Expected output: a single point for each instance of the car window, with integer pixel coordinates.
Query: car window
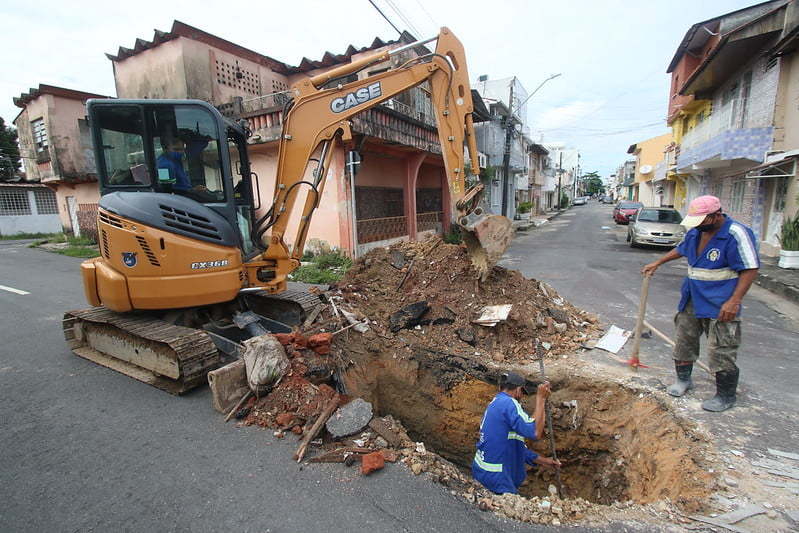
(659, 215)
(630, 205)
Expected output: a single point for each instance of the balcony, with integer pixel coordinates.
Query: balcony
(729, 133)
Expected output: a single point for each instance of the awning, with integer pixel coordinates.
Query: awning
(781, 166)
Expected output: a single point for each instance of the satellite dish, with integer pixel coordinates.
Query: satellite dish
(646, 169)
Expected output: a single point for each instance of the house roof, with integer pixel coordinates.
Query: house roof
(35, 93)
(735, 48)
(181, 29)
(695, 38)
(538, 149)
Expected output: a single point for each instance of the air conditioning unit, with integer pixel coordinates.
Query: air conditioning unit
(482, 160)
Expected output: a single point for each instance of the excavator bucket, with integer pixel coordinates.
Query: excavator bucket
(486, 239)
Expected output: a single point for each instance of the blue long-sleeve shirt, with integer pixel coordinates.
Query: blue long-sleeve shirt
(173, 163)
(499, 463)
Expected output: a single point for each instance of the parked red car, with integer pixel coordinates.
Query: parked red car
(624, 210)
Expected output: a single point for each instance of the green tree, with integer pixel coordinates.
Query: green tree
(592, 183)
(9, 152)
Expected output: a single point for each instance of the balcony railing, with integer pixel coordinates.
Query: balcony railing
(428, 221)
(381, 229)
(732, 116)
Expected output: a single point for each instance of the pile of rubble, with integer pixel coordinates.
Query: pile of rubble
(430, 293)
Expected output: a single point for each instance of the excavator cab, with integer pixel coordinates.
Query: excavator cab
(182, 148)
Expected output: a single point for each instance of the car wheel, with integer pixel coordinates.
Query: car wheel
(633, 244)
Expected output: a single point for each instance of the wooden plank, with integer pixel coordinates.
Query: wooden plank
(787, 455)
(123, 367)
(742, 513)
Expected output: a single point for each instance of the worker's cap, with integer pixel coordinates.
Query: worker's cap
(699, 208)
(513, 380)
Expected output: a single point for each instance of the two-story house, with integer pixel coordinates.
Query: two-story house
(538, 163)
(648, 187)
(55, 142)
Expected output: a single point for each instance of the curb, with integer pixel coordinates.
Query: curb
(780, 288)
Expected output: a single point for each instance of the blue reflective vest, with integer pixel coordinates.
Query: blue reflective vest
(713, 274)
(499, 463)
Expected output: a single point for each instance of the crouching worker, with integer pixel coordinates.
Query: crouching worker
(501, 458)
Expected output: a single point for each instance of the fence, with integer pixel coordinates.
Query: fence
(380, 229)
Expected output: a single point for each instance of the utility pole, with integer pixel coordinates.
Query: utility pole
(506, 154)
(560, 176)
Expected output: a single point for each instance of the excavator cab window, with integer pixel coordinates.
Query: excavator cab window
(186, 147)
(242, 189)
(121, 140)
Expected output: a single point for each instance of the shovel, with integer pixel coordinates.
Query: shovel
(634, 361)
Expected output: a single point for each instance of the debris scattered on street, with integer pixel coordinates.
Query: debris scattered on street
(613, 340)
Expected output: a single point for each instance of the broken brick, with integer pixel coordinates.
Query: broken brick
(284, 419)
(320, 339)
(300, 341)
(371, 462)
(284, 338)
(297, 430)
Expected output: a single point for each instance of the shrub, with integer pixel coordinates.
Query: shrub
(454, 236)
(524, 207)
(789, 235)
(564, 201)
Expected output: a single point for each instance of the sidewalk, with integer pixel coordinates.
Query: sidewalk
(782, 281)
(536, 220)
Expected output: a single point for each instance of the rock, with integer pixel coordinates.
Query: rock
(553, 491)
(371, 462)
(466, 335)
(297, 430)
(443, 316)
(550, 325)
(408, 317)
(397, 259)
(560, 327)
(350, 418)
(771, 513)
(546, 345)
(730, 482)
(498, 356)
(560, 315)
(416, 468)
(389, 455)
(545, 505)
(380, 442)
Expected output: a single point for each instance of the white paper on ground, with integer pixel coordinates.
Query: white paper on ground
(613, 340)
(493, 314)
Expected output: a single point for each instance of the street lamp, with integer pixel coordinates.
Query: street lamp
(509, 138)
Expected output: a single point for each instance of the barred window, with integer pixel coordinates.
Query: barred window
(14, 203)
(45, 202)
(39, 135)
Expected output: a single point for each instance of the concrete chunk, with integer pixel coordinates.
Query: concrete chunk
(350, 418)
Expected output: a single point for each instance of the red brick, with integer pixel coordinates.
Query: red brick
(371, 462)
(297, 430)
(285, 338)
(300, 341)
(320, 339)
(322, 350)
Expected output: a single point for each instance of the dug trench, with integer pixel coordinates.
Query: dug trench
(616, 444)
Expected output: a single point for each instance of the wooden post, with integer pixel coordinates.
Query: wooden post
(639, 324)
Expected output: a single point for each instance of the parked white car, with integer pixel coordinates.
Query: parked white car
(656, 226)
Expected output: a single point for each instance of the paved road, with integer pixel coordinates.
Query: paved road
(585, 256)
(87, 449)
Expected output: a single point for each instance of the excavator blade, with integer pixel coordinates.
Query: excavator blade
(486, 240)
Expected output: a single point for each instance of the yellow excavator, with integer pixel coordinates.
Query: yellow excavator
(187, 270)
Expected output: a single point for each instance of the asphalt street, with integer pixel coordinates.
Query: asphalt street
(584, 255)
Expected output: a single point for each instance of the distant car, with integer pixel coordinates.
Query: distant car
(657, 226)
(624, 210)
(607, 199)
(580, 200)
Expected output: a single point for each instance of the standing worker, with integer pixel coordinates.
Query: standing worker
(499, 463)
(722, 264)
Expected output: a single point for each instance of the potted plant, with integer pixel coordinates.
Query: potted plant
(789, 240)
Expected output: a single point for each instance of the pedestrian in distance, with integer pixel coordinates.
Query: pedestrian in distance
(723, 262)
(502, 457)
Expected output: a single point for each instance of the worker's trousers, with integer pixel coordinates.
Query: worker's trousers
(723, 339)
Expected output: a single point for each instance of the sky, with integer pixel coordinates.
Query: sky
(611, 55)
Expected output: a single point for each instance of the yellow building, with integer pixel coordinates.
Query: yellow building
(689, 116)
(648, 155)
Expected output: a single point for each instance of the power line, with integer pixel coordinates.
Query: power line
(402, 16)
(385, 17)
(436, 25)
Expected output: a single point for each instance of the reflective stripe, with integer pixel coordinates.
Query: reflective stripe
(746, 248)
(514, 435)
(711, 274)
(524, 416)
(488, 467)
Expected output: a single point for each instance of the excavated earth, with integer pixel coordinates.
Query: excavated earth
(623, 451)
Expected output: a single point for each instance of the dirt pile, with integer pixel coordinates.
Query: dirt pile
(429, 292)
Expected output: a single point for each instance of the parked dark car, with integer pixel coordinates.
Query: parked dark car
(624, 210)
(657, 226)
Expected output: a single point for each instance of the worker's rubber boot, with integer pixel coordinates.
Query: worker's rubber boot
(726, 385)
(683, 383)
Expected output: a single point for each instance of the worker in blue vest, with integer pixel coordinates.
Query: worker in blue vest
(500, 463)
(723, 261)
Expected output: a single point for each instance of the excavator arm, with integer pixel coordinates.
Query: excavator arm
(319, 119)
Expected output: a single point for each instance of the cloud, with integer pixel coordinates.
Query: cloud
(565, 115)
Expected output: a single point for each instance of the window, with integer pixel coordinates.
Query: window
(39, 135)
(14, 203)
(717, 189)
(186, 148)
(665, 216)
(45, 202)
(121, 137)
(737, 196)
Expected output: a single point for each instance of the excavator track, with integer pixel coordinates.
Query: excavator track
(172, 358)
